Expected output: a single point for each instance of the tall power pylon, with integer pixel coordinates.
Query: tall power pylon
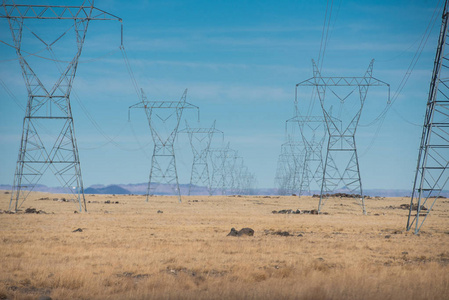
(164, 118)
(341, 167)
(223, 161)
(313, 134)
(200, 141)
(290, 167)
(244, 180)
(284, 171)
(49, 104)
(432, 171)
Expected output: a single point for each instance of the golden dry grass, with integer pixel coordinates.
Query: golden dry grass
(129, 251)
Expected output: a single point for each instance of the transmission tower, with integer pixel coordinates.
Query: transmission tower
(298, 153)
(283, 171)
(223, 161)
(313, 134)
(240, 173)
(49, 104)
(290, 167)
(432, 171)
(200, 141)
(341, 164)
(164, 118)
(244, 180)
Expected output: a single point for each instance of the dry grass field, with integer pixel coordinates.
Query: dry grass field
(127, 250)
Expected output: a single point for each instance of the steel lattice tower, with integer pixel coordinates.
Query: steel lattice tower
(222, 161)
(49, 104)
(432, 171)
(164, 118)
(298, 154)
(290, 167)
(313, 135)
(341, 137)
(280, 179)
(200, 141)
(284, 170)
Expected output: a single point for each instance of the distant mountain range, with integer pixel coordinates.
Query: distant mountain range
(165, 189)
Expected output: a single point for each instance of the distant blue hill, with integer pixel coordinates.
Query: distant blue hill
(165, 189)
(110, 189)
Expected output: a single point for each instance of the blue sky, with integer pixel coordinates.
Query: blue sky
(240, 61)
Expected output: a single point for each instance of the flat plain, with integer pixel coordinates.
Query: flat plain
(126, 248)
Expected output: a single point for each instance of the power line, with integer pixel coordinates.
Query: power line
(410, 68)
(381, 117)
(10, 93)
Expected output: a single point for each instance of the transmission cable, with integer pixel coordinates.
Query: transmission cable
(89, 116)
(13, 97)
(410, 68)
(381, 117)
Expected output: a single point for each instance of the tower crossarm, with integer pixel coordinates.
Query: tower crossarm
(55, 12)
(200, 130)
(306, 119)
(311, 119)
(342, 81)
(163, 104)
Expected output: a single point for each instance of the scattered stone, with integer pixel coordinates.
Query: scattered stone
(407, 206)
(388, 236)
(340, 195)
(287, 211)
(160, 212)
(44, 198)
(108, 202)
(34, 211)
(60, 199)
(298, 212)
(78, 230)
(246, 231)
(282, 233)
(243, 231)
(233, 232)
(30, 211)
